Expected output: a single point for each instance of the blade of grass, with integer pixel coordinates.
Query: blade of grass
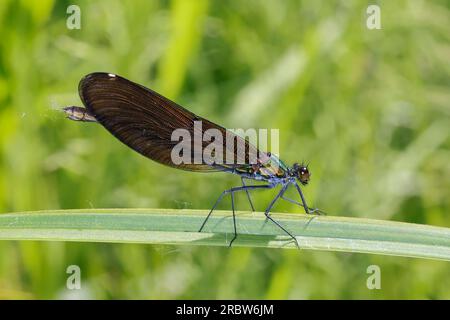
(166, 226)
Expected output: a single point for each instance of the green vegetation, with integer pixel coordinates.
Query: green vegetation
(159, 226)
(367, 108)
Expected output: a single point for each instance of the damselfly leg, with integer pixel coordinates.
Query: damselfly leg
(303, 204)
(234, 219)
(232, 191)
(248, 194)
(310, 210)
(267, 213)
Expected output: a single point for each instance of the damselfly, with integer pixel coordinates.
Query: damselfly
(145, 121)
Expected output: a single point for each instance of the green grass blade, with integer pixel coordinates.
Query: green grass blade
(165, 226)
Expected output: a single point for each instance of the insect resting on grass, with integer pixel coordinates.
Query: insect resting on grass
(145, 121)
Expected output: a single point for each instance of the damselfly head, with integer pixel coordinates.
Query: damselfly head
(301, 172)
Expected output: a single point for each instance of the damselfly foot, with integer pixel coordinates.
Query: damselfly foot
(316, 212)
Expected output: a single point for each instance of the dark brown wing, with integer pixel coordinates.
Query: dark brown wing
(145, 120)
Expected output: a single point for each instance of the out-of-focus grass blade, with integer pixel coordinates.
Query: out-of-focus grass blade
(165, 226)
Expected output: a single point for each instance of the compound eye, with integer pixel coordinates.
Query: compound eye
(303, 175)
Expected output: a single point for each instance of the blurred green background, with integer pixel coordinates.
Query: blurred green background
(369, 109)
